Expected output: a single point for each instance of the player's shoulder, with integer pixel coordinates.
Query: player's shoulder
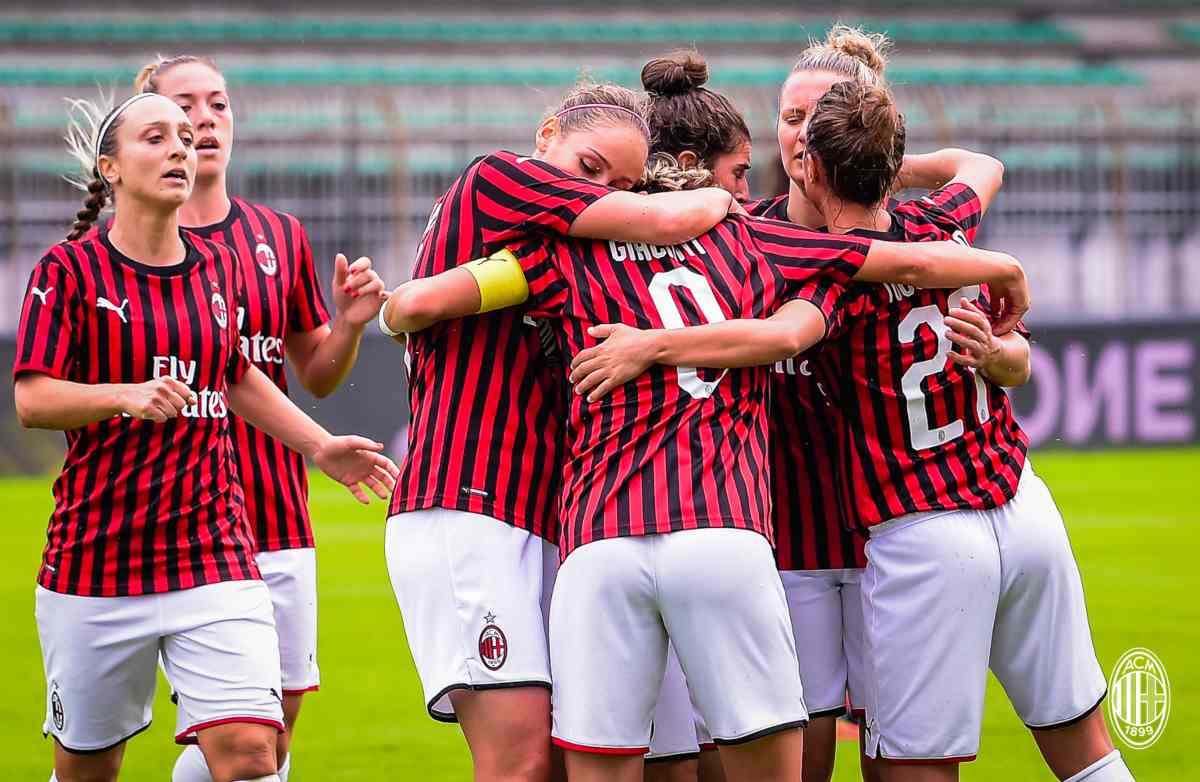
(774, 207)
(946, 204)
(247, 209)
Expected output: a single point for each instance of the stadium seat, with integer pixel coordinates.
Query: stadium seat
(302, 30)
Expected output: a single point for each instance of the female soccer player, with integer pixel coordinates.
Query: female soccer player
(128, 343)
(473, 511)
(698, 128)
(969, 563)
(283, 314)
(643, 283)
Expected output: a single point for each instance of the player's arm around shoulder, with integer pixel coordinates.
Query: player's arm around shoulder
(482, 285)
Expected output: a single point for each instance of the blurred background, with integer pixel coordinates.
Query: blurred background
(356, 120)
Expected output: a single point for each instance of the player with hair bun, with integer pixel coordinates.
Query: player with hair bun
(128, 344)
(473, 522)
(283, 316)
(969, 565)
(698, 127)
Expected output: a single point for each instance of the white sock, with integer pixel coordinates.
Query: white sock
(1110, 768)
(190, 766)
(53, 778)
(286, 768)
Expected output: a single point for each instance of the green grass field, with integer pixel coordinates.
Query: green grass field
(1134, 519)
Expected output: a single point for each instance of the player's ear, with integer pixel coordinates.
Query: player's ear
(110, 172)
(688, 159)
(546, 133)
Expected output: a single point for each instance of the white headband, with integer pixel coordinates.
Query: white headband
(113, 118)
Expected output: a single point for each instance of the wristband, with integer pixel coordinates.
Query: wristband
(383, 326)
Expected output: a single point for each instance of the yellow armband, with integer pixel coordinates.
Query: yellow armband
(501, 280)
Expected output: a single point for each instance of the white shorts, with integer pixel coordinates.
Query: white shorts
(471, 590)
(218, 647)
(826, 611)
(291, 577)
(947, 594)
(715, 594)
(678, 731)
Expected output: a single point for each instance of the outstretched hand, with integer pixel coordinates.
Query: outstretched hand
(353, 461)
(623, 354)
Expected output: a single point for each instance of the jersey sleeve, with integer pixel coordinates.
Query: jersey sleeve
(516, 195)
(799, 255)
(548, 287)
(306, 305)
(50, 319)
(830, 297)
(955, 207)
(238, 364)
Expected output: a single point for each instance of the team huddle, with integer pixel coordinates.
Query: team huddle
(689, 476)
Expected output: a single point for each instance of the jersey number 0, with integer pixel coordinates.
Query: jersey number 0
(660, 291)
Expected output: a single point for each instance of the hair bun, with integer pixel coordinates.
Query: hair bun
(867, 48)
(675, 73)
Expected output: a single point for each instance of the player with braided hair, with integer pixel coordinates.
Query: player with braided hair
(128, 344)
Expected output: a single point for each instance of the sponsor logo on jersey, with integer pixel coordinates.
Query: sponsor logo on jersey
(104, 304)
(1139, 698)
(258, 347)
(493, 646)
(220, 309)
(266, 259)
(42, 294)
(208, 404)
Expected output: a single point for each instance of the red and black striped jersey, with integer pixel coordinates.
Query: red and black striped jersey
(141, 507)
(486, 428)
(282, 296)
(810, 531)
(774, 208)
(676, 448)
(918, 432)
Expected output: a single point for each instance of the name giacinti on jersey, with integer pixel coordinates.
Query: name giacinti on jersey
(208, 404)
(640, 251)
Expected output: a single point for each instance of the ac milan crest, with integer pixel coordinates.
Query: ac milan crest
(266, 259)
(56, 711)
(220, 310)
(493, 646)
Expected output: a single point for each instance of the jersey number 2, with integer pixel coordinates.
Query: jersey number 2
(922, 435)
(660, 291)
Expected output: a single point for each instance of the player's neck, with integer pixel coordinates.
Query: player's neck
(842, 217)
(800, 210)
(208, 204)
(149, 237)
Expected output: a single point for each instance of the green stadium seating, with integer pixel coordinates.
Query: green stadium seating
(299, 30)
(1186, 32)
(466, 75)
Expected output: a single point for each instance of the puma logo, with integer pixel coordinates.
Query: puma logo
(42, 294)
(104, 304)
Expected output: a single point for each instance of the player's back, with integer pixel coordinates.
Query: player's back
(676, 448)
(918, 432)
(485, 430)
